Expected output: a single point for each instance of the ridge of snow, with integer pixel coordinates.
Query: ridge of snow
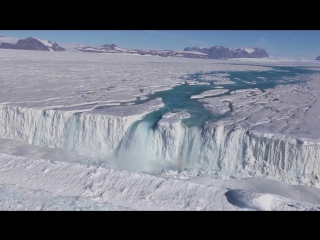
(193, 52)
(249, 50)
(45, 42)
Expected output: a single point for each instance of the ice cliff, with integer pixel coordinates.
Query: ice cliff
(220, 149)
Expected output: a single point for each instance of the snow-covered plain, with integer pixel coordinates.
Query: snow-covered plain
(81, 131)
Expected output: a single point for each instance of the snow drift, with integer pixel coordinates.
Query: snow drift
(37, 184)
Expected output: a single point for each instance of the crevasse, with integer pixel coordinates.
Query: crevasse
(223, 151)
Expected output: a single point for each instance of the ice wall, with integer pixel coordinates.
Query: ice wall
(92, 133)
(220, 149)
(234, 152)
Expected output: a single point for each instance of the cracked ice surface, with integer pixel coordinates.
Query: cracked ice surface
(290, 110)
(67, 78)
(69, 100)
(218, 78)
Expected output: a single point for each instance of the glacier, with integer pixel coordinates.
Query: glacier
(155, 145)
(185, 119)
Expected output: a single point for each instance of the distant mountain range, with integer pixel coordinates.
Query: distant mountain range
(113, 48)
(318, 58)
(219, 52)
(216, 52)
(29, 43)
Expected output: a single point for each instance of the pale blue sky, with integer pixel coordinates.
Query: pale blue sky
(278, 43)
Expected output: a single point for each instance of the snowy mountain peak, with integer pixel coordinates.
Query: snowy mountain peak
(248, 50)
(30, 43)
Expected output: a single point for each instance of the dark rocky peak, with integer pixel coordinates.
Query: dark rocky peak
(189, 49)
(32, 43)
(110, 46)
(318, 58)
